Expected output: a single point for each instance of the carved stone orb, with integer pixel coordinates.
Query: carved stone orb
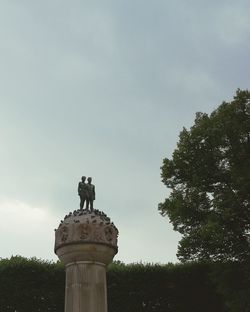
(86, 236)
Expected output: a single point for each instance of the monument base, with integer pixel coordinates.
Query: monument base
(86, 242)
(85, 287)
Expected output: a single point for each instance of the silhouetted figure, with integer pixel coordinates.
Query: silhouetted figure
(90, 194)
(82, 192)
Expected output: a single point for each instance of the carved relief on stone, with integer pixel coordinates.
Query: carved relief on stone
(64, 233)
(109, 233)
(84, 231)
(98, 235)
(85, 226)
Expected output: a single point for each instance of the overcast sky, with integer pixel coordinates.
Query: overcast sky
(103, 89)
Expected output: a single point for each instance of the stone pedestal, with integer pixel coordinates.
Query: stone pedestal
(86, 287)
(86, 243)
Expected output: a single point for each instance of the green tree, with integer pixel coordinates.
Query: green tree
(209, 175)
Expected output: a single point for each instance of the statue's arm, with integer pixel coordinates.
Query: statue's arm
(94, 191)
(79, 188)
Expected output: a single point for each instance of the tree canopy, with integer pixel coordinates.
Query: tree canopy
(209, 178)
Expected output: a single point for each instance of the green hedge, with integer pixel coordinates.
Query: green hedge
(169, 288)
(32, 285)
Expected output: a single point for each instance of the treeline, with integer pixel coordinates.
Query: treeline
(32, 285)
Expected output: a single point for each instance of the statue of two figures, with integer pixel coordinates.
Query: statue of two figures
(86, 191)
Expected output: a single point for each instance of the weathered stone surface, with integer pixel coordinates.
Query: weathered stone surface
(85, 287)
(83, 226)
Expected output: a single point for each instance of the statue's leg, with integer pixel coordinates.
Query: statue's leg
(87, 204)
(81, 202)
(91, 205)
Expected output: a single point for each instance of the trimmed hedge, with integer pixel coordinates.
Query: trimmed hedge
(32, 285)
(168, 288)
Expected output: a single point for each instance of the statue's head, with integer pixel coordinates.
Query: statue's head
(83, 179)
(89, 179)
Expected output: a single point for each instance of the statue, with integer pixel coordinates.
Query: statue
(82, 192)
(86, 191)
(90, 194)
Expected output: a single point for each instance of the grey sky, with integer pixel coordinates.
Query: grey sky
(103, 88)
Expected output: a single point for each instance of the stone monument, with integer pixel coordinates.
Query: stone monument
(86, 242)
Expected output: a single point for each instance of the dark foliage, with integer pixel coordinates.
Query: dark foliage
(209, 175)
(232, 281)
(31, 285)
(168, 288)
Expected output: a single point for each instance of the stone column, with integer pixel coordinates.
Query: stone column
(86, 243)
